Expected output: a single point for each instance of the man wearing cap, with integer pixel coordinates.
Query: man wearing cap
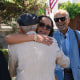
(32, 60)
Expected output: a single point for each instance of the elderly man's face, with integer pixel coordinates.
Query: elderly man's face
(61, 20)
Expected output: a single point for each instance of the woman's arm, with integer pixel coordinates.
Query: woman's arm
(19, 38)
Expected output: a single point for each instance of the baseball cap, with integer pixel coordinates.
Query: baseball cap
(27, 19)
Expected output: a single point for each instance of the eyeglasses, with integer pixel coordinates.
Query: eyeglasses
(61, 18)
(42, 25)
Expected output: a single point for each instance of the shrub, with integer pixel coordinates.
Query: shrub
(72, 8)
(9, 10)
(5, 52)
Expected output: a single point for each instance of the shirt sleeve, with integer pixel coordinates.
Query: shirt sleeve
(61, 59)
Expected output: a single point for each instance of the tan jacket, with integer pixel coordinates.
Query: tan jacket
(35, 61)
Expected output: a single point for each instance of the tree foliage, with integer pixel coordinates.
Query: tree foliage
(13, 8)
(42, 10)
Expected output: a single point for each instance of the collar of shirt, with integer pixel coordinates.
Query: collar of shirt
(62, 35)
(31, 32)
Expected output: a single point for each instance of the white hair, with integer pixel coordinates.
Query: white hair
(62, 10)
(29, 28)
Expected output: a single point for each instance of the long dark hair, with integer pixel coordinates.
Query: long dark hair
(52, 30)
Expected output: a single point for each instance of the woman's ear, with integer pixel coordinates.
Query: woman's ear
(37, 28)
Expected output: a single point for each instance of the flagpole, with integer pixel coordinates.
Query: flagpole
(51, 7)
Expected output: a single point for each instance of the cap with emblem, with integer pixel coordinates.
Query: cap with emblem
(27, 19)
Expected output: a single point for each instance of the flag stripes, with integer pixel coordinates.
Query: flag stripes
(50, 6)
(52, 3)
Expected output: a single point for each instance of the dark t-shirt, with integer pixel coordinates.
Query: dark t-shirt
(4, 73)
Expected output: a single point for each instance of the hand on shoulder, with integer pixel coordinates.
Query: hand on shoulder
(44, 39)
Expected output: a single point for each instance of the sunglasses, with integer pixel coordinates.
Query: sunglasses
(42, 25)
(61, 18)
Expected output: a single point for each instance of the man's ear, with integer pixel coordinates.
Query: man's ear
(21, 29)
(37, 28)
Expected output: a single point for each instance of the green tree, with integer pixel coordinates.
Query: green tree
(13, 8)
(72, 8)
(42, 10)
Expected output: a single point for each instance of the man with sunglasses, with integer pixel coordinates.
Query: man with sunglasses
(67, 42)
(33, 60)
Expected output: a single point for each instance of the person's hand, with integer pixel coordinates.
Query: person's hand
(44, 39)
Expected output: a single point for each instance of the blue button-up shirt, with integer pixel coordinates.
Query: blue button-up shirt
(64, 43)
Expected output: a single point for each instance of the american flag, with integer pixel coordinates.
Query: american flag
(50, 5)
